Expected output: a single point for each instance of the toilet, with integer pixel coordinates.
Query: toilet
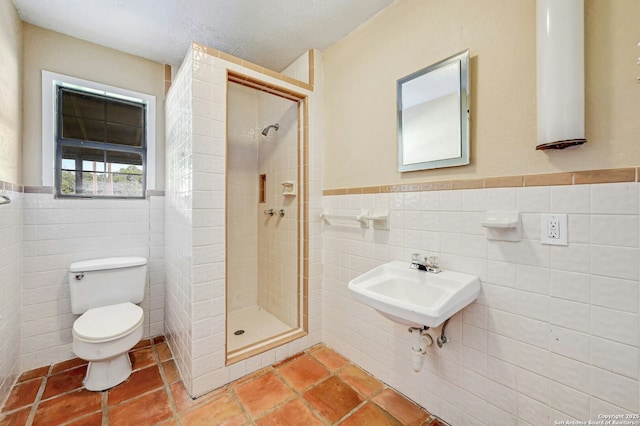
(105, 292)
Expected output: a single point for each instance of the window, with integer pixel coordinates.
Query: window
(100, 145)
(99, 139)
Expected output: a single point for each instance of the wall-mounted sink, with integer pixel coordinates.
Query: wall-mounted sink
(412, 297)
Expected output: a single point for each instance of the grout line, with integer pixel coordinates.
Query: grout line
(230, 390)
(165, 383)
(105, 408)
(36, 401)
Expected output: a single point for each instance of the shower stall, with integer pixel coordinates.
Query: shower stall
(263, 208)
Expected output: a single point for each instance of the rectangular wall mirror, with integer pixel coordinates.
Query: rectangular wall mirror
(433, 115)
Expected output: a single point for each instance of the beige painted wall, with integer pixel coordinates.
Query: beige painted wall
(10, 94)
(361, 71)
(55, 52)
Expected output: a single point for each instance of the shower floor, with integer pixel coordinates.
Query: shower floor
(257, 324)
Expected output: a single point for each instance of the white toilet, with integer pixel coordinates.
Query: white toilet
(105, 291)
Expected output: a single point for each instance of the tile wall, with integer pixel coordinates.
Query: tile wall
(58, 232)
(278, 250)
(242, 199)
(554, 333)
(178, 218)
(10, 272)
(262, 249)
(195, 226)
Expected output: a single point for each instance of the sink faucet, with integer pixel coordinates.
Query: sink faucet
(428, 264)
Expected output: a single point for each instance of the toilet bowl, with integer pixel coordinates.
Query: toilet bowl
(103, 336)
(105, 293)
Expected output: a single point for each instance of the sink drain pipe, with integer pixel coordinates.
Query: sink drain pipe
(421, 341)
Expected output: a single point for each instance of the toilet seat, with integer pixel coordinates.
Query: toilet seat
(108, 323)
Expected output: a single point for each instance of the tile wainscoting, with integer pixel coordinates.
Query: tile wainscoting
(58, 232)
(554, 333)
(10, 281)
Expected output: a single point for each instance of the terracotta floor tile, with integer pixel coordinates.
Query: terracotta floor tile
(34, 374)
(181, 398)
(94, 419)
(171, 372)
(294, 411)
(265, 397)
(401, 408)
(139, 382)
(330, 358)
(333, 398)
(183, 401)
(67, 407)
(17, 418)
(370, 414)
(288, 360)
(66, 365)
(142, 344)
(360, 380)
(303, 372)
(262, 393)
(142, 358)
(22, 394)
(144, 410)
(219, 411)
(64, 381)
(163, 351)
(249, 377)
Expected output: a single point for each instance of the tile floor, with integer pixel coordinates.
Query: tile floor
(315, 387)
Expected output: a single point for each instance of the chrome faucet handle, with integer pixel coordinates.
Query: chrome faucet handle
(416, 263)
(432, 261)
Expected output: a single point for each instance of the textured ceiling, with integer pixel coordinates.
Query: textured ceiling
(271, 33)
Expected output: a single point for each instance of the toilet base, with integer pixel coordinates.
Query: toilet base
(102, 375)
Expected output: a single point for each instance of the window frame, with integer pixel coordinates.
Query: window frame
(50, 119)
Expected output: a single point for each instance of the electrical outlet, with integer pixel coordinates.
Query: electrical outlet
(554, 230)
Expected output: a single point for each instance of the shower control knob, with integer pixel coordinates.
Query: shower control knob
(269, 212)
(281, 212)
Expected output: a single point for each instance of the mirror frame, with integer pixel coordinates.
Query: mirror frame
(463, 59)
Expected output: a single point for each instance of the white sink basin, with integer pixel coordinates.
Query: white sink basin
(412, 297)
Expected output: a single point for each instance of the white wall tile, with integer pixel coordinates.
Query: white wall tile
(569, 343)
(568, 401)
(615, 325)
(545, 311)
(616, 357)
(618, 198)
(614, 293)
(615, 389)
(571, 315)
(570, 199)
(570, 285)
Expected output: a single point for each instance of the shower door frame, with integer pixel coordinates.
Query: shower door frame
(302, 226)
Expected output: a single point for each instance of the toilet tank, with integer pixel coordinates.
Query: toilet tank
(103, 282)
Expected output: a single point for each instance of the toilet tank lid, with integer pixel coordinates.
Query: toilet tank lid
(107, 263)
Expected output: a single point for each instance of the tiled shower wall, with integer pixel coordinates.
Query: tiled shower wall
(195, 227)
(58, 232)
(262, 249)
(242, 199)
(554, 333)
(10, 271)
(279, 157)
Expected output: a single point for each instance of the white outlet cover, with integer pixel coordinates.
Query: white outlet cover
(563, 230)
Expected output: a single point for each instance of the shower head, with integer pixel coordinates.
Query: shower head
(265, 131)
